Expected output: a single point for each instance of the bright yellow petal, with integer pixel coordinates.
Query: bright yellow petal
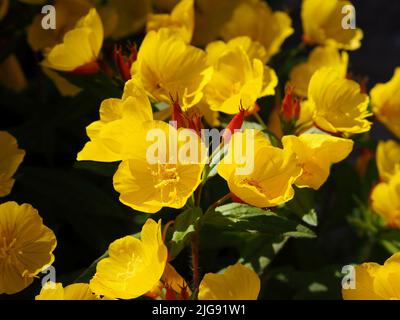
(236, 283)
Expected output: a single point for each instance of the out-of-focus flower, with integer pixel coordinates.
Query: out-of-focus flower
(385, 100)
(210, 17)
(11, 74)
(68, 14)
(56, 291)
(316, 153)
(337, 104)
(385, 200)
(169, 179)
(122, 18)
(376, 282)
(168, 67)
(10, 159)
(26, 246)
(134, 266)
(236, 283)
(290, 109)
(320, 57)
(239, 79)
(322, 24)
(274, 171)
(256, 20)
(4, 4)
(388, 159)
(80, 48)
(181, 20)
(109, 141)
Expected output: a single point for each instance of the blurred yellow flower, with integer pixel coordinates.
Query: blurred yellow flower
(337, 103)
(316, 153)
(80, 47)
(134, 266)
(26, 246)
(168, 68)
(319, 57)
(150, 181)
(12, 75)
(210, 17)
(255, 19)
(385, 200)
(10, 159)
(112, 137)
(236, 283)
(322, 24)
(385, 100)
(239, 77)
(4, 4)
(68, 14)
(76, 291)
(376, 282)
(275, 170)
(388, 159)
(181, 20)
(122, 18)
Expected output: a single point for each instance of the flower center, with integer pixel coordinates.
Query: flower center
(6, 247)
(165, 174)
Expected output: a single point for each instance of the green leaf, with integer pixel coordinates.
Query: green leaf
(241, 217)
(258, 251)
(185, 225)
(390, 240)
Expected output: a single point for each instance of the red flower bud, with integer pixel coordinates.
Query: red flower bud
(290, 106)
(124, 63)
(169, 293)
(235, 124)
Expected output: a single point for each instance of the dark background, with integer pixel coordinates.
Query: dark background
(82, 208)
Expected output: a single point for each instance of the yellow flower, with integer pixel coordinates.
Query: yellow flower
(68, 14)
(388, 159)
(80, 47)
(134, 266)
(385, 100)
(167, 180)
(322, 24)
(256, 20)
(337, 103)
(328, 56)
(386, 200)
(4, 4)
(168, 68)
(316, 153)
(112, 137)
(236, 283)
(26, 246)
(55, 291)
(122, 18)
(181, 20)
(210, 17)
(273, 173)
(376, 282)
(10, 159)
(240, 77)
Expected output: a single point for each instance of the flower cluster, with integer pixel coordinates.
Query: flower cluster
(206, 70)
